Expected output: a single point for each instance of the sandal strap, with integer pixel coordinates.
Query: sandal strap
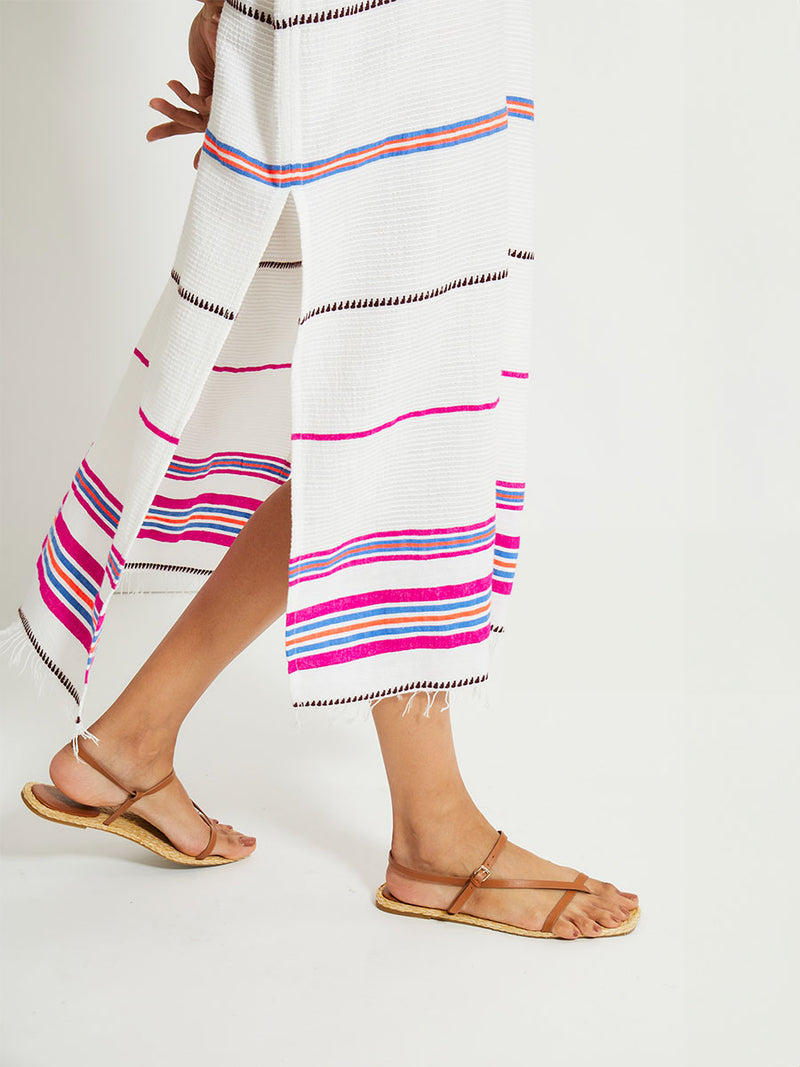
(480, 879)
(479, 875)
(549, 922)
(212, 837)
(133, 794)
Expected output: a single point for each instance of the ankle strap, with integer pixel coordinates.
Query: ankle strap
(133, 794)
(475, 880)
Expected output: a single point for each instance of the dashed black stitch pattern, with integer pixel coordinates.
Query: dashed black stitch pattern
(391, 692)
(278, 264)
(218, 309)
(165, 567)
(70, 688)
(498, 629)
(519, 254)
(305, 19)
(406, 298)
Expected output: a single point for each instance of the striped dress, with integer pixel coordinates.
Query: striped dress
(350, 305)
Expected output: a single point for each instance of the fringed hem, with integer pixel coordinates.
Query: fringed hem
(26, 657)
(459, 696)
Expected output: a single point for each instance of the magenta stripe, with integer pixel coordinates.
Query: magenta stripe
(77, 552)
(63, 613)
(326, 572)
(504, 541)
(159, 433)
(501, 587)
(393, 533)
(141, 357)
(264, 476)
(90, 511)
(248, 502)
(512, 485)
(514, 374)
(247, 370)
(109, 495)
(212, 537)
(378, 648)
(386, 425)
(228, 455)
(117, 555)
(511, 507)
(389, 596)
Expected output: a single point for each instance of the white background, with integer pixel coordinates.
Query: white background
(645, 702)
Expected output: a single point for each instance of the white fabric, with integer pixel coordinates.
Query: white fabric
(351, 305)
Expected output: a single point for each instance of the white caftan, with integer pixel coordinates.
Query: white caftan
(351, 306)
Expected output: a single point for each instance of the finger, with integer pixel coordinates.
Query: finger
(166, 129)
(205, 83)
(194, 100)
(190, 119)
(197, 157)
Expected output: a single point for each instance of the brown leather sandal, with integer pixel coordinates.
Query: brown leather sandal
(51, 803)
(481, 879)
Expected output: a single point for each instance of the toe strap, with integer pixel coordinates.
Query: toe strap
(212, 836)
(578, 887)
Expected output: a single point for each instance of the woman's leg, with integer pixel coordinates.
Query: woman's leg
(438, 827)
(245, 594)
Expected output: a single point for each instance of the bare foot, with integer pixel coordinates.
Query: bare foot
(170, 809)
(587, 914)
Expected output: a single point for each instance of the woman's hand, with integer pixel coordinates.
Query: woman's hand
(203, 55)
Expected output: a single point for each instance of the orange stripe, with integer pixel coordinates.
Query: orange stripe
(102, 507)
(184, 520)
(409, 142)
(395, 546)
(377, 621)
(77, 589)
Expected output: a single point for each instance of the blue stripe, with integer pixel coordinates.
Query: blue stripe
(64, 593)
(303, 180)
(66, 561)
(84, 484)
(228, 464)
(370, 547)
(171, 528)
(219, 510)
(380, 609)
(364, 635)
(364, 147)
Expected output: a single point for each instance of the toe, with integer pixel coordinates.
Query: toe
(232, 845)
(566, 928)
(610, 919)
(604, 915)
(588, 927)
(563, 928)
(229, 843)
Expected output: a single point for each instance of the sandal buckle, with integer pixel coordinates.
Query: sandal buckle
(477, 872)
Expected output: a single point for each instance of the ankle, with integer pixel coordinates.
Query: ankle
(137, 746)
(450, 836)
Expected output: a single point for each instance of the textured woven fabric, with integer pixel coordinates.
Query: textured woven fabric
(351, 305)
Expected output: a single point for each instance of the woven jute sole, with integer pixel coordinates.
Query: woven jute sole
(386, 902)
(128, 825)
